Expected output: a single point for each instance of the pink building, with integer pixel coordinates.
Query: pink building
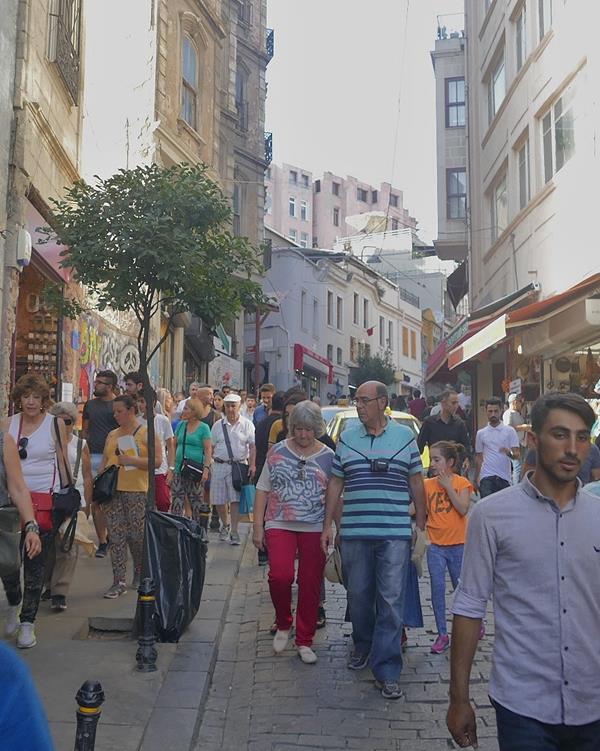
(289, 202)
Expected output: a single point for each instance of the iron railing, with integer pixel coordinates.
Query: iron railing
(270, 43)
(268, 148)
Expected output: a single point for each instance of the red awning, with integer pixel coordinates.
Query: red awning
(301, 353)
(538, 310)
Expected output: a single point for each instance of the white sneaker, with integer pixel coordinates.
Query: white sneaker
(26, 636)
(307, 655)
(234, 539)
(224, 533)
(11, 624)
(280, 641)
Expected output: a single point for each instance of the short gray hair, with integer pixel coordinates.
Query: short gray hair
(306, 414)
(65, 408)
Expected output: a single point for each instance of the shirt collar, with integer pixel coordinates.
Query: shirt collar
(533, 492)
(365, 432)
(439, 418)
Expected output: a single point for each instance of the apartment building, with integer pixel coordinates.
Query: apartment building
(289, 202)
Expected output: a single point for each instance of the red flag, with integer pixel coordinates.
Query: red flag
(370, 331)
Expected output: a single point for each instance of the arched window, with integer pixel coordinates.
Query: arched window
(189, 83)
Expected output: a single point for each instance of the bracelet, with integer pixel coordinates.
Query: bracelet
(171, 469)
(33, 527)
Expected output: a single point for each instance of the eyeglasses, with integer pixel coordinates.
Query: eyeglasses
(103, 383)
(23, 447)
(367, 399)
(301, 470)
(67, 420)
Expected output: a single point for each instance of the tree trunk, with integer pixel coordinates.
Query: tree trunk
(143, 341)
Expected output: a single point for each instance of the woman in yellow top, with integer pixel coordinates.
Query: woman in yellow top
(448, 498)
(127, 446)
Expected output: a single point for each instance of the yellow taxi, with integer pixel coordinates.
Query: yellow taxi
(348, 418)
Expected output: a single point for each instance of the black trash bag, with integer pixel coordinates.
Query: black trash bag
(175, 558)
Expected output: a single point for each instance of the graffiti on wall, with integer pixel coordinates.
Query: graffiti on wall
(102, 347)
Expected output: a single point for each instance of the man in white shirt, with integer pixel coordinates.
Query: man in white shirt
(495, 446)
(164, 474)
(513, 417)
(240, 432)
(193, 393)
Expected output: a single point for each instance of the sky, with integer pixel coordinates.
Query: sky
(346, 77)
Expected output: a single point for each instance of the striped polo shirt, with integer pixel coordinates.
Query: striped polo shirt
(376, 503)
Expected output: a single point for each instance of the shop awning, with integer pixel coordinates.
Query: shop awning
(493, 333)
(303, 355)
(538, 311)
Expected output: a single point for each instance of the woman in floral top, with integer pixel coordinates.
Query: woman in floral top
(290, 503)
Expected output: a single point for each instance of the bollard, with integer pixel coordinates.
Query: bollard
(146, 654)
(204, 519)
(89, 698)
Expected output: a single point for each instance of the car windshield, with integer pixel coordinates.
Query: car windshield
(351, 422)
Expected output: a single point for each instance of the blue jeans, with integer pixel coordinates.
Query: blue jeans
(489, 485)
(375, 573)
(440, 557)
(519, 733)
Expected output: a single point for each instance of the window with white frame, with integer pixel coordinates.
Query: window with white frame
(189, 83)
(335, 188)
(330, 352)
(456, 193)
(293, 235)
(455, 102)
(381, 331)
(305, 180)
(292, 206)
(355, 306)
(303, 310)
(499, 208)
(365, 313)
(362, 194)
(339, 313)
(496, 86)
(293, 176)
(524, 184)
(558, 133)
(329, 308)
(394, 200)
(336, 217)
(339, 356)
(521, 37)
(315, 318)
(304, 239)
(304, 211)
(544, 17)
(390, 341)
(413, 344)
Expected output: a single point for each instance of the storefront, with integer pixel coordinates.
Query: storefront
(314, 373)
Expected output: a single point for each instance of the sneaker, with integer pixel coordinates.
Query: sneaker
(136, 581)
(102, 550)
(234, 539)
(280, 641)
(11, 625)
(389, 689)
(26, 636)
(481, 631)
(224, 533)
(357, 661)
(59, 603)
(117, 589)
(46, 595)
(321, 618)
(441, 644)
(307, 655)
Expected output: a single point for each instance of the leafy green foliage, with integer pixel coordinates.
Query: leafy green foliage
(374, 368)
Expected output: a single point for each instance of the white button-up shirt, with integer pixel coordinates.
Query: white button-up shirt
(241, 437)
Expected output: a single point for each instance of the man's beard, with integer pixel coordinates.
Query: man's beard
(551, 472)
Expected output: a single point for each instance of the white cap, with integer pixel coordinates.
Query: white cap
(512, 397)
(232, 399)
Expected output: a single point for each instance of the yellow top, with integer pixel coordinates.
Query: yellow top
(132, 479)
(274, 431)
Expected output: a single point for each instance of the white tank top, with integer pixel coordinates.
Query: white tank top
(39, 468)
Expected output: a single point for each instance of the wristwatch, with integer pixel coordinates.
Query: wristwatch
(172, 469)
(32, 526)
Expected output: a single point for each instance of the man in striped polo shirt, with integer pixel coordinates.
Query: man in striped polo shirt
(378, 468)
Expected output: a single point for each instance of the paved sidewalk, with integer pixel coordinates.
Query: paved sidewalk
(147, 712)
(262, 702)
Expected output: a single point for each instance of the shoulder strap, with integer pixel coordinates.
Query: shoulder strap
(78, 459)
(184, 437)
(360, 453)
(60, 454)
(226, 437)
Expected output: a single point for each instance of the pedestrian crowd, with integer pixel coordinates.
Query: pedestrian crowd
(371, 508)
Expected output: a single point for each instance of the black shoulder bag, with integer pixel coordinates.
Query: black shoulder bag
(190, 469)
(239, 470)
(66, 501)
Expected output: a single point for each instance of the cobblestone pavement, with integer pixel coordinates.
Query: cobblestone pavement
(260, 701)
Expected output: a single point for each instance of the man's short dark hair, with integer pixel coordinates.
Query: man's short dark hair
(278, 401)
(153, 395)
(109, 375)
(267, 388)
(134, 377)
(446, 394)
(417, 394)
(493, 401)
(554, 400)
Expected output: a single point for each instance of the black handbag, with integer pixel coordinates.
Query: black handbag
(239, 470)
(190, 468)
(105, 485)
(10, 533)
(67, 500)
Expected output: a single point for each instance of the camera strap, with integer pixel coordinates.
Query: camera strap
(360, 453)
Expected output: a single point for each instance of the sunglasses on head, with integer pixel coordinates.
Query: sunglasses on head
(23, 447)
(67, 420)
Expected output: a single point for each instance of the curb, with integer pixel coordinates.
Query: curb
(177, 714)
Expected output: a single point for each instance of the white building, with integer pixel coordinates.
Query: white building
(332, 307)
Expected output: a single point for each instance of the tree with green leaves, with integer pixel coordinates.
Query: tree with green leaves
(152, 240)
(375, 368)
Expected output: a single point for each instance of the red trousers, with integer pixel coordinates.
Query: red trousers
(162, 493)
(282, 545)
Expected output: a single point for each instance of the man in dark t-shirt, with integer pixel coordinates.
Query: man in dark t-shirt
(98, 421)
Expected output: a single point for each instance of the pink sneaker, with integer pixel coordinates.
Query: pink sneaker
(481, 631)
(441, 644)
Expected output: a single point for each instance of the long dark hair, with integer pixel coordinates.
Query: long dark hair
(450, 450)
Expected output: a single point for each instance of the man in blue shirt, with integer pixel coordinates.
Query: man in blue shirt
(378, 468)
(23, 724)
(266, 399)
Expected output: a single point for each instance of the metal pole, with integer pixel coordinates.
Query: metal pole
(146, 654)
(89, 698)
(257, 355)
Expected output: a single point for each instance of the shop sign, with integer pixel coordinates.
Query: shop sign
(592, 311)
(225, 371)
(458, 333)
(514, 387)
